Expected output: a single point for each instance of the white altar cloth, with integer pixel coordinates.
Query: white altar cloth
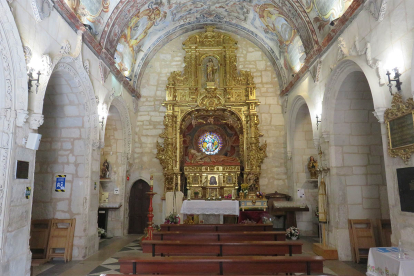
(385, 261)
(223, 207)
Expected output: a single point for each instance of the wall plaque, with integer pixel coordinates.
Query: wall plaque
(401, 131)
(405, 178)
(400, 127)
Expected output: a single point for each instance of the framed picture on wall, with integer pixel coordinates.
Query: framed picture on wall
(405, 178)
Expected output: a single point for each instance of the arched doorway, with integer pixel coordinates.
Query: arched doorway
(358, 186)
(138, 207)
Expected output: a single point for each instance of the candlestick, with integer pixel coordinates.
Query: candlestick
(179, 183)
(150, 215)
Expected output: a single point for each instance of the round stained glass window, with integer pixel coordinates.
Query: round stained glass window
(210, 143)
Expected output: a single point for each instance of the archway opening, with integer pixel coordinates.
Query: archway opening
(357, 164)
(59, 179)
(138, 207)
(305, 184)
(112, 185)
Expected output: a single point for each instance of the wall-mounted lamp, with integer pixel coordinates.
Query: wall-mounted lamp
(31, 79)
(396, 78)
(318, 122)
(103, 114)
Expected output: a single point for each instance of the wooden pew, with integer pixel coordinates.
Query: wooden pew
(220, 248)
(220, 236)
(240, 265)
(216, 227)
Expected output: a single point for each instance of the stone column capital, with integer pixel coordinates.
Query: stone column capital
(379, 114)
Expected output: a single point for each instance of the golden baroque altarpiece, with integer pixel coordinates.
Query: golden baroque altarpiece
(211, 96)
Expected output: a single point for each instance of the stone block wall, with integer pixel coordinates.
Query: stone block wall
(114, 153)
(150, 116)
(303, 148)
(357, 156)
(62, 151)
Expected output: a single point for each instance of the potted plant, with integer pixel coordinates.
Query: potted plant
(292, 233)
(196, 194)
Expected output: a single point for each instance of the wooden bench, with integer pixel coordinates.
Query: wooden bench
(220, 236)
(216, 227)
(228, 248)
(240, 265)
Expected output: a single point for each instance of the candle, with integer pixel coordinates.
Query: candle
(152, 180)
(179, 183)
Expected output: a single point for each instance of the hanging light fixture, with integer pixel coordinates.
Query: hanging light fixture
(396, 78)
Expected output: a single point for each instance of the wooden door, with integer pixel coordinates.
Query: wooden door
(138, 207)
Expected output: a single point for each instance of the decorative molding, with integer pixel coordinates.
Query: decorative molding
(379, 114)
(47, 64)
(36, 120)
(343, 51)
(86, 66)
(65, 49)
(103, 71)
(373, 63)
(285, 103)
(376, 8)
(315, 71)
(27, 54)
(21, 117)
(41, 9)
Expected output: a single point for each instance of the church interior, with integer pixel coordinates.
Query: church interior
(184, 137)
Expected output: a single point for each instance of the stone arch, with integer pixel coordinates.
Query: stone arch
(122, 108)
(13, 114)
(300, 147)
(70, 71)
(297, 103)
(353, 150)
(335, 79)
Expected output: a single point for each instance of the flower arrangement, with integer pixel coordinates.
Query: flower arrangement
(173, 218)
(244, 188)
(227, 196)
(259, 194)
(156, 227)
(292, 233)
(101, 233)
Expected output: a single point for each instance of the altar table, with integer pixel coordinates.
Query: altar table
(385, 261)
(204, 207)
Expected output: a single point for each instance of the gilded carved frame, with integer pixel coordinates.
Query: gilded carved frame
(398, 109)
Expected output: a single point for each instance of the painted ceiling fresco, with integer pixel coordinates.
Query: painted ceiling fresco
(287, 29)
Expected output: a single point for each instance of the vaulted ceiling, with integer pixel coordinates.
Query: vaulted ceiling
(291, 32)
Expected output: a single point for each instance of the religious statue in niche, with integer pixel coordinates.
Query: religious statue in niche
(105, 169)
(312, 168)
(252, 181)
(211, 70)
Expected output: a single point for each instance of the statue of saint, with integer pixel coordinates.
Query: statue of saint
(252, 181)
(211, 70)
(312, 166)
(105, 169)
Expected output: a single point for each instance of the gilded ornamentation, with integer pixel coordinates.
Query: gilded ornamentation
(398, 109)
(211, 91)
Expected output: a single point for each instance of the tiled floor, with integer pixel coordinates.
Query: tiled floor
(106, 260)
